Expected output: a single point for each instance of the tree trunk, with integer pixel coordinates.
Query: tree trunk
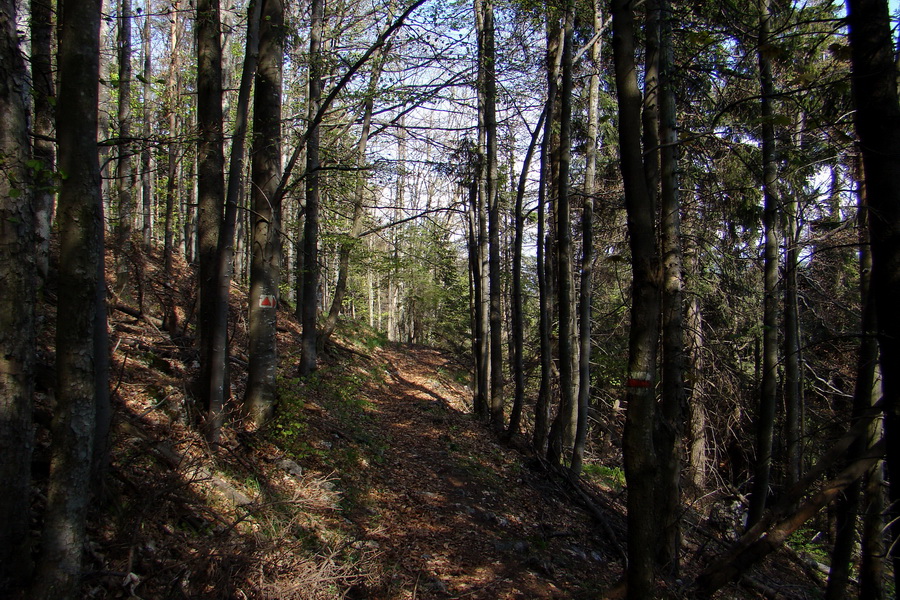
(491, 202)
(17, 301)
(348, 243)
(210, 178)
(44, 95)
(146, 155)
(877, 116)
(173, 85)
(125, 177)
(765, 424)
(670, 424)
(516, 300)
(265, 268)
(218, 384)
(865, 390)
(638, 444)
(587, 251)
(542, 406)
(81, 252)
(309, 302)
(562, 435)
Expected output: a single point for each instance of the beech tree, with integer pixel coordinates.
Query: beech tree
(265, 268)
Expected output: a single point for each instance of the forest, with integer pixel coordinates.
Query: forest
(628, 267)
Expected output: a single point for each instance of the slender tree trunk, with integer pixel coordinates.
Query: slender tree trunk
(670, 424)
(309, 301)
(173, 81)
(542, 406)
(347, 244)
(219, 385)
(562, 429)
(210, 178)
(17, 319)
(146, 156)
(793, 360)
(765, 424)
(81, 238)
(638, 444)
(516, 300)
(491, 201)
(125, 177)
(44, 95)
(587, 251)
(265, 269)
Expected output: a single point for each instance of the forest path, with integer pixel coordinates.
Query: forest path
(454, 513)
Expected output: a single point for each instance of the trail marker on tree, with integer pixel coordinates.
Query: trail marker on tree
(267, 301)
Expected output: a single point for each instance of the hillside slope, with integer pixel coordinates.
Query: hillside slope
(374, 481)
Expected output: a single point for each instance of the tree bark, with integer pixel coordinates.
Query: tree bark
(516, 300)
(670, 424)
(81, 252)
(542, 405)
(210, 179)
(265, 268)
(44, 95)
(17, 300)
(638, 444)
(309, 303)
(146, 155)
(587, 251)
(219, 385)
(765, 424)
(125, 176)
(877, 117)
(562, 434)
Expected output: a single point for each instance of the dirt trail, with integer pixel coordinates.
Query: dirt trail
(454, 513)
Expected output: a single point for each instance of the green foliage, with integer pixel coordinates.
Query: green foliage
(611, 477)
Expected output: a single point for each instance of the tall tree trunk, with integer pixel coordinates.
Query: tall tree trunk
(44, 95)
(173, 84)
(146, 155)
(516, 300)
(81, 252)
(562, 434)
(210, 178)
(265, 269)
(765, 424)
(17, 300)
(638, 444)
(670, 424)
(491, 201)
(219, 384)
(542, 406)
(865, 390)
(309, 301)
(125, 178)
(587, 250)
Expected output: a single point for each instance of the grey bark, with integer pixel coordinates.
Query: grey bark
(638, 443)
(219, 384)
(17, 321)
(81, 252)
(210, 175)
(125, 176)
(265, 267)
(309, 302)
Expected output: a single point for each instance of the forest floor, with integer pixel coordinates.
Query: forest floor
(373, 482)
